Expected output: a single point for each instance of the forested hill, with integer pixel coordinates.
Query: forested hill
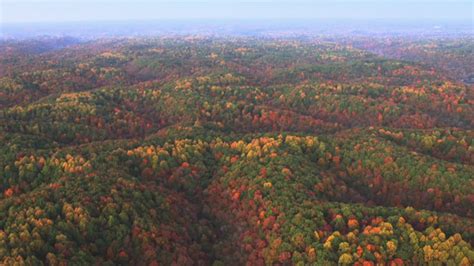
(204, 151)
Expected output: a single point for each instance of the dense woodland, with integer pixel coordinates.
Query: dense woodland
(205, 151)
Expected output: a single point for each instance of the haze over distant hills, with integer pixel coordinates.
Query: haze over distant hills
(264, 28)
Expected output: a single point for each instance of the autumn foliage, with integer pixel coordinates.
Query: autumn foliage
(184, 151)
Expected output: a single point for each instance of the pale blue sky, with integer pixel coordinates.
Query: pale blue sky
(13, 11)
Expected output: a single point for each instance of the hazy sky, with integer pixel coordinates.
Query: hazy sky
(94, 10)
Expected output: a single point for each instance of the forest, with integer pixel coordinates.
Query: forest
(199, 150)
